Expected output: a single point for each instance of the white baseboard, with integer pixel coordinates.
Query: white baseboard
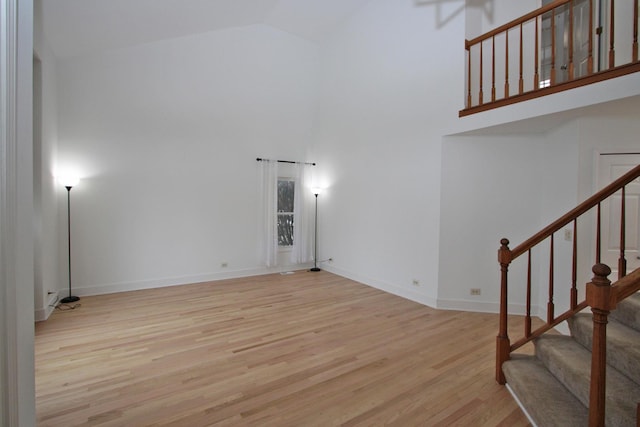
(444, 304)
(44, 313)
(383, 286)
(483, 306)
(111, 288)
(521, 405)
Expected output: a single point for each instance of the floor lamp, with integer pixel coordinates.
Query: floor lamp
(69, 183)
(316, 191)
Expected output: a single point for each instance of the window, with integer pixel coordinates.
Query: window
(285, 220)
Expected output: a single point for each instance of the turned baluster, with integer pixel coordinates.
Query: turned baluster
(635, 32)
(506, 64)
(552, 77)
(571, 32)
(503, 345)
(574, 266)
(590, 59)
(536, 78)
(550, 304)
(612, 32)
(468, 75)
(622, 261)
(493, 69)
(598, 233)
(481, 93)
(527, 317)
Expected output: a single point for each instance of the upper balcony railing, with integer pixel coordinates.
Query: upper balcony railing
(562, 45)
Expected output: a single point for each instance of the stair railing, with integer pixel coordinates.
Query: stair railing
(601, 296)
(519, 61)
(506, 256)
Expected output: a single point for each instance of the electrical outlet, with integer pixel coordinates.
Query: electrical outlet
(475, 291)
(415, 282)
(53, 297)
(568, 234)
(224, 264)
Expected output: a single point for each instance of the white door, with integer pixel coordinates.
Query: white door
(562, 29)
(611, 167)
(581, 38)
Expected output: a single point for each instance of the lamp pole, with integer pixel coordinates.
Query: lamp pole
(69, 298)
(316, 191)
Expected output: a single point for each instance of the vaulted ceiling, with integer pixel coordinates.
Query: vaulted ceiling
(77, 27)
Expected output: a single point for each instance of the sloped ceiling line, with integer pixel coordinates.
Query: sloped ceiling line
(79, 27)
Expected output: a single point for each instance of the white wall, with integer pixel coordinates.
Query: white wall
(518, 166)
(46, 264)
(610, 128)
(489, 186)
(493, 187)
(166, 134)
(390, 85)
(518, 178)
(165, 137)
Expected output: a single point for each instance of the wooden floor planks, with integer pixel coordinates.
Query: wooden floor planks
(307, 349)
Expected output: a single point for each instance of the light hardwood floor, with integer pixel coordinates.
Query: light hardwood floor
(307, 349)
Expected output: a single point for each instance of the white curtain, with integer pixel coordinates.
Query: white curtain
(269, 203)
(302, 239)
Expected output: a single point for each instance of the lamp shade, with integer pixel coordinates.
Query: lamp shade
(68, 180)
(316, 190)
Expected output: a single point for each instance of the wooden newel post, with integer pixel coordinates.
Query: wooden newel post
(599, 298)
(503, 345)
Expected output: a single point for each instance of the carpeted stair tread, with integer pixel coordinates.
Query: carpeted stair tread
(547, 401)
(628, 312)
(570, 363)
(623, 343)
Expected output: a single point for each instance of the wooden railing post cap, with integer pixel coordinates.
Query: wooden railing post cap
(504, 253)
(599, 291)
(601, 272)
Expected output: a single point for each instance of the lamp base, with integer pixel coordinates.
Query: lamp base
(67, 300)
(314, 269)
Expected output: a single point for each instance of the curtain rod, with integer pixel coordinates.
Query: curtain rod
(285, 161)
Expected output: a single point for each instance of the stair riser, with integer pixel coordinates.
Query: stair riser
(628, 312)
(554, 385)
(622, 353)
(570, 363)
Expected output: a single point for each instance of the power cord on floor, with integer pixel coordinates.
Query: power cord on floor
(67, 307)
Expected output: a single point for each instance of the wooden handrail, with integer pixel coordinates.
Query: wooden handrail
(627, 286)
(521, 20)
(581, 209)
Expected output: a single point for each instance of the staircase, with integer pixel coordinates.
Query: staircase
(593, 376)
(553, 386)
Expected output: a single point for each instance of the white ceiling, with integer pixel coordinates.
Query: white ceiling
(78, 27)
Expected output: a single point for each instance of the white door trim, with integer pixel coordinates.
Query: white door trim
(17, 389)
